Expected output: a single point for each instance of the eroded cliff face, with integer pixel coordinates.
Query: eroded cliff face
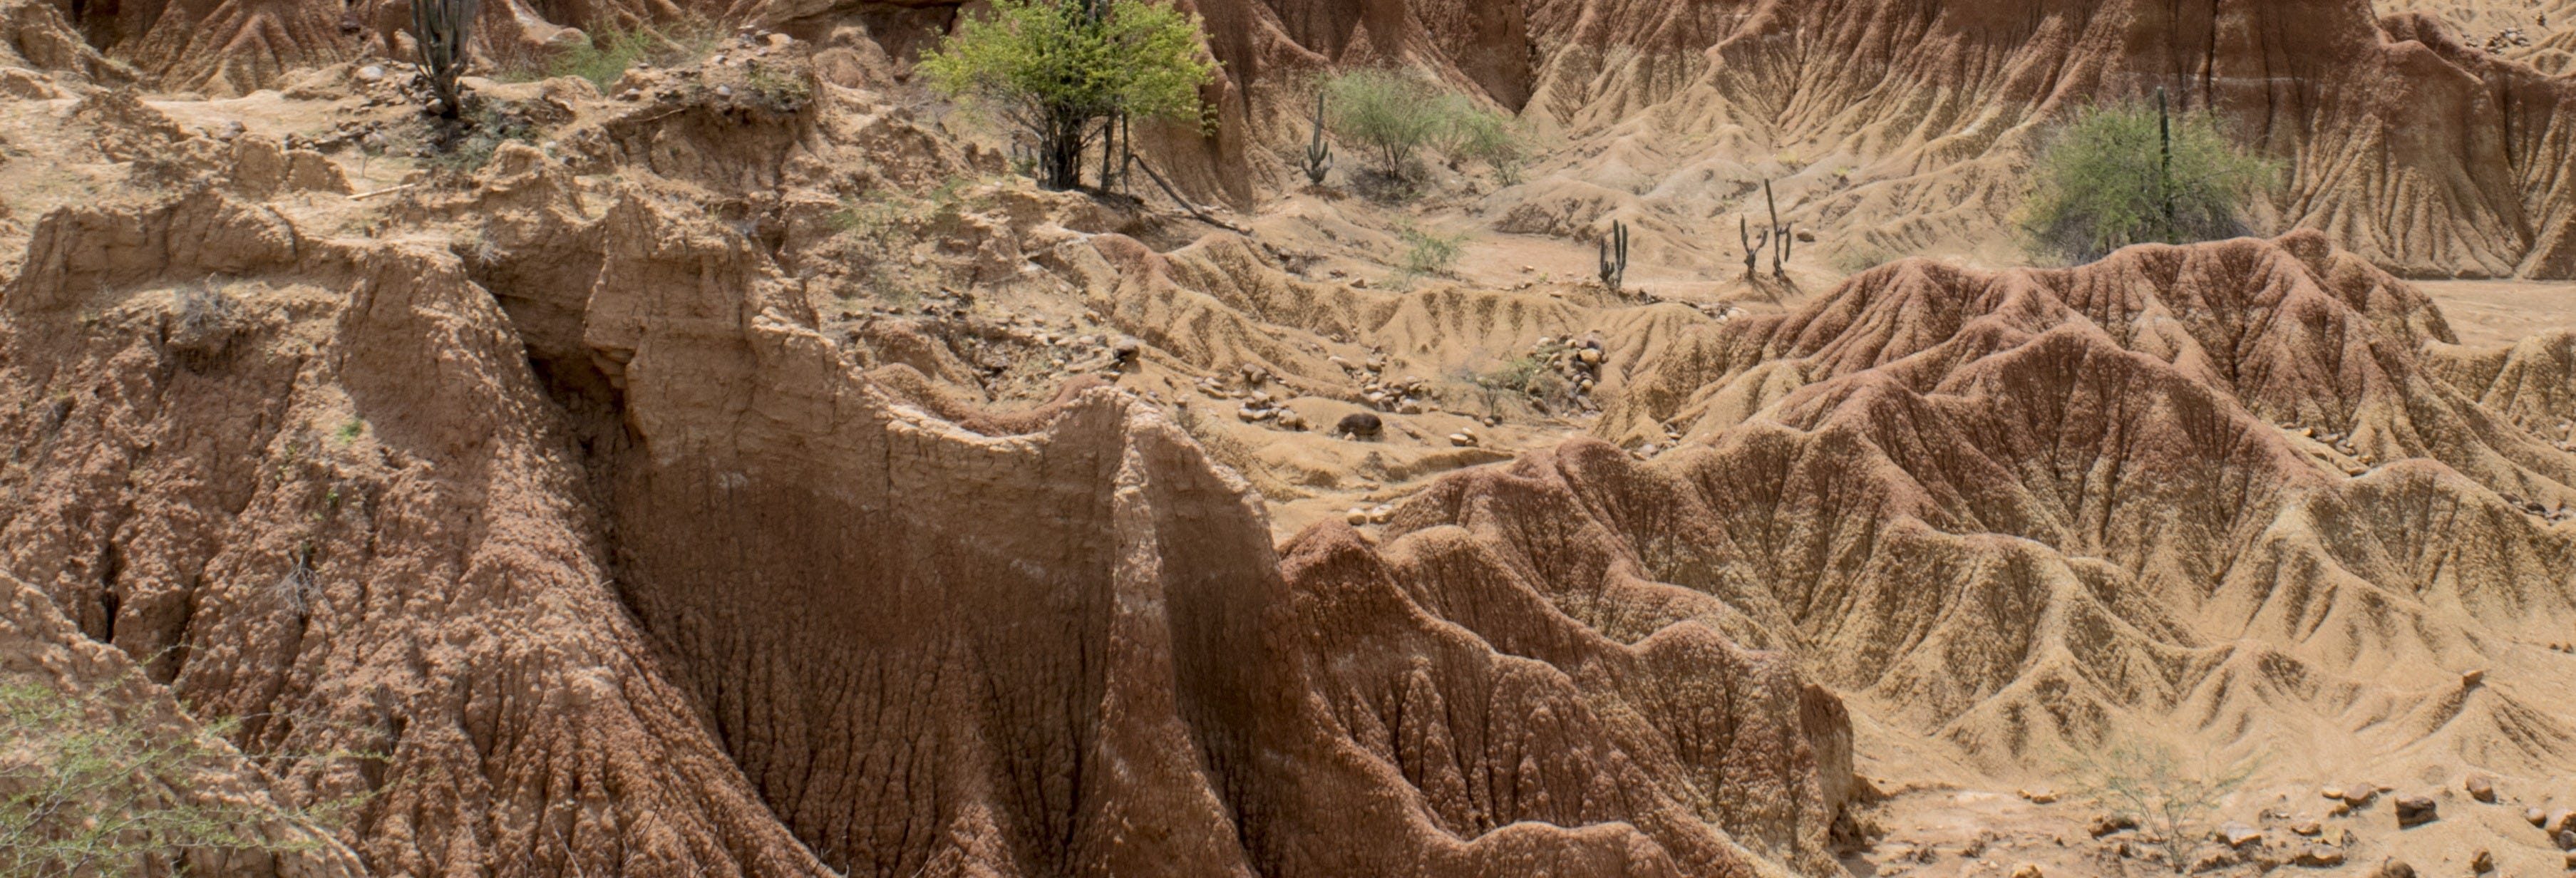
(642, 574)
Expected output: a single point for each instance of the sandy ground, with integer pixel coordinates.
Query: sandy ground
(2502, 312)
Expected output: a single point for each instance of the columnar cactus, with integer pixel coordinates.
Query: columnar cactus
(442, 28)
(1614, 256)
(1319, 155)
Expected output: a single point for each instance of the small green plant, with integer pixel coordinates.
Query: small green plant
(488, 128)
(350, 431)
(612, 49)
(2133, 174)
(1067, 72)
(785, 91)
(606, 55)
(2172, 800)
(97, 790)
(1426, 253)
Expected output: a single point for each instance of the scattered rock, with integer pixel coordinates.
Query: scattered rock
(2335, 793)
(2318, 856)
(2481, 788)
(2040, 797)
(1463, 440)
(1358, 515)
(2413, 811)
(1359, 424)
(2309, 827)
(2471, 679)
(2482, 863)
(2536, 816)
(2395, 868)
(2567, 839)
(371, 73)
(2238, 835)
(2026, 870)
(2109, 823)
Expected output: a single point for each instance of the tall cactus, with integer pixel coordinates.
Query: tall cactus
(441, 28)
(1753, 244)
(1319, 155)
(1614, 256)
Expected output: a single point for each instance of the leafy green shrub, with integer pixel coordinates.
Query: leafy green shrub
(1486, 136)
(84, 797)
(1056, 69)
(1396, 115)
(2130, 174)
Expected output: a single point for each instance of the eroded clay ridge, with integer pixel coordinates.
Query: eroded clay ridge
(2245, 492)
(1907, 124)
(647, 578)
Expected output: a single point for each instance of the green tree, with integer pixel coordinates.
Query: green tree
(89, 791)
(2133, 174)
(1396, 115)
(1067, 71)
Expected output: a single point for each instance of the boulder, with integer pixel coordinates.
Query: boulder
(2413, 811)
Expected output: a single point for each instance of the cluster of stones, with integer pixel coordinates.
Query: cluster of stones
(1260, 403)
(1359, 515)
(2560, 826)
(2508, 38)
(2535, 508)
(2355, 461)
(1578, 361)
(368, 133)
(2566, 440)
(1404, 396)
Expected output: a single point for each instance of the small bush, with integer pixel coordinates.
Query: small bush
(611, 50)
(2104, 183)
(2149, 782)
(96, 791)
(1427, 253)
(488, 128)
(785, 91)
(1396, 115)
(1486, 136)
(205, 309)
